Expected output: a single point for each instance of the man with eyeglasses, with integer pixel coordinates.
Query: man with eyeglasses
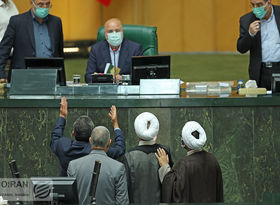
(34, 33)
(259, 34)
(114, 50)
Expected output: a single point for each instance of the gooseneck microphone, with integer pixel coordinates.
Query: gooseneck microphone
(94, 181)
(115, 69)
(14, 169)
(15, 174)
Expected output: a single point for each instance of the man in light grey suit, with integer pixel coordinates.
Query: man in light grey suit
(112, 182)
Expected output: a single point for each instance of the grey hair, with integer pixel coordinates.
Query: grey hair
(100, 137)
(83, 127)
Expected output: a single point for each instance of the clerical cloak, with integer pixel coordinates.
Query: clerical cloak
(195, 178)
(142, 174)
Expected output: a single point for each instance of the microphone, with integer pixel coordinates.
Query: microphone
(15, 174)
(115, 70)
(14, 169)
(94, 181)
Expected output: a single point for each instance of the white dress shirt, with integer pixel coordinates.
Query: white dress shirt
(6, 11)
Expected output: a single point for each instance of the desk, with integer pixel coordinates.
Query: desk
(243, 133)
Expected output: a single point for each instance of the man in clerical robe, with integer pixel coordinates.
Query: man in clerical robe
(144, 186)
(195, 178)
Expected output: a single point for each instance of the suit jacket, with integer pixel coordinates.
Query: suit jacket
(112, 184)
(67, 149)
(100, 55)
(253, 44)
(20, 36)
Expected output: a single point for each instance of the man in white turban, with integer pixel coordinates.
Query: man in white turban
(195, 178)
(141, 164)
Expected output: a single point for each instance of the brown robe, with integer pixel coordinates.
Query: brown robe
(195, 178)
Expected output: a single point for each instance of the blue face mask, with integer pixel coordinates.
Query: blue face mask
(41, 12)
(115, 38)
(260, 12)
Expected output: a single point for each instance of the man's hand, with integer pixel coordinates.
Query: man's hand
(113, 115)
(162, 157)
(255, 27)
(118, 78)
(3, 80)
(63, 108)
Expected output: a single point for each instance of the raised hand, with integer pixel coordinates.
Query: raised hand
(255, 27)
(113, 115)
(63, 107)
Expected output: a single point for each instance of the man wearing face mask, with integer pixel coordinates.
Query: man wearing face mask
(35, 33)
(115, 49)
(259, 34)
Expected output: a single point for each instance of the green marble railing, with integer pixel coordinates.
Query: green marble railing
(243, 133)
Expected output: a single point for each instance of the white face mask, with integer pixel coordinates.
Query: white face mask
(115, 38)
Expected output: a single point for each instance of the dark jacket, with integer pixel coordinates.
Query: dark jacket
(100, 55)
(20, 36)
(253, 44)
(67, 149)
(142, 174)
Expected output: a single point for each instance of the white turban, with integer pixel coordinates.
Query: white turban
(189, 139)
(140, 125)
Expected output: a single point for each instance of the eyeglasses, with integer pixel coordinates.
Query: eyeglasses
(42, 5)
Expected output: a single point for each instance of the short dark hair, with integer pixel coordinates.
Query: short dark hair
(83, 127)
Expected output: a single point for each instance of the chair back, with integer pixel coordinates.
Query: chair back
(144, 35)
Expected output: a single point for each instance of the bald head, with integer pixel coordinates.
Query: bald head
(113, 24)
(113, 31)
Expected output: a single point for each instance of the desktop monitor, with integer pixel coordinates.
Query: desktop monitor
(149, 67)
(48, 63)
(64, 189)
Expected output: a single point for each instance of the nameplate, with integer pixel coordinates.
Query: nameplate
(159, 86)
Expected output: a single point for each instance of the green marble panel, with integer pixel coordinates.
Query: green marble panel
(245, 141)
(233, 147)
(53, 165)
(3, 164)
(179, 117)
(267, 150)
(27, 141)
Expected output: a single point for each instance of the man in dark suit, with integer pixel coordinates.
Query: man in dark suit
(35, 33)
(67, 149)
(115, 49)
(259, 34)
